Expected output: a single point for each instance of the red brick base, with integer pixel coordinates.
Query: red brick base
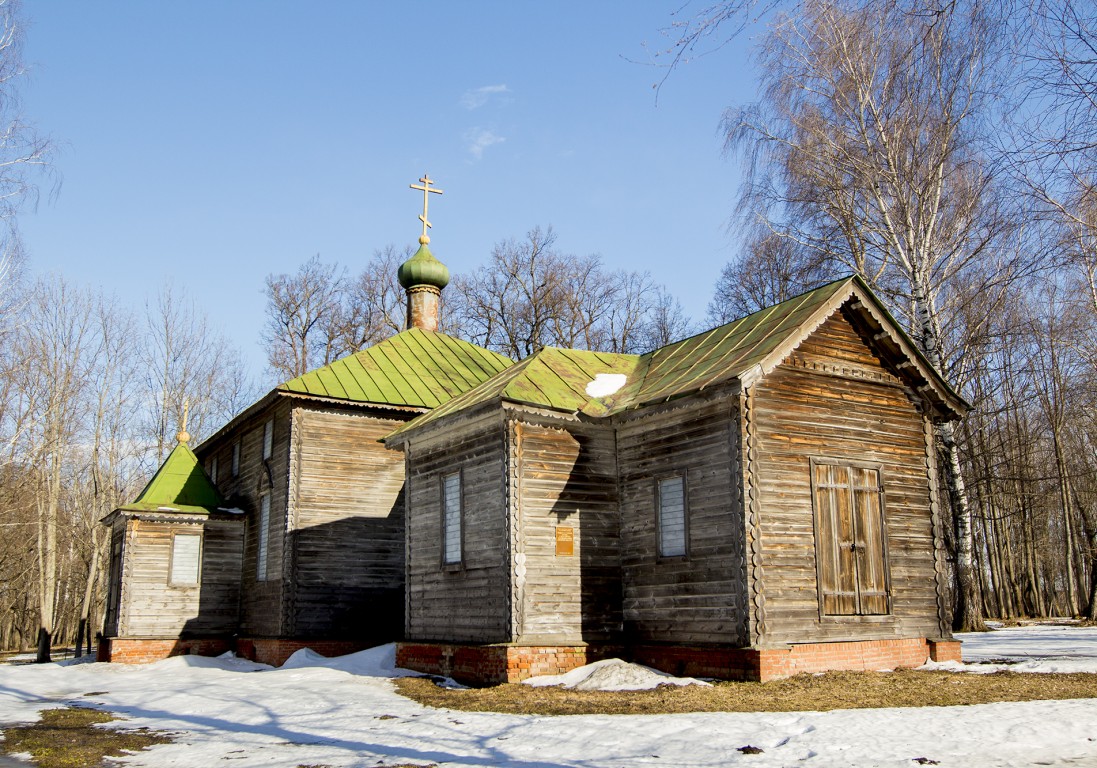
(494, 664)
(135, 650)
(275, 650)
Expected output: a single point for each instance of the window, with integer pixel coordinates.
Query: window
(850, 540)
(451, 518)
(186, 557)
(264, 536)
(671, 514)
(236, 459)
(268, 439)
(213, 470)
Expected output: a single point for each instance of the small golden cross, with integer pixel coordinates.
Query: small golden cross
(426, 182)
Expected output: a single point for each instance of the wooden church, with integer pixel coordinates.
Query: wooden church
(314, 544)
(751, 502)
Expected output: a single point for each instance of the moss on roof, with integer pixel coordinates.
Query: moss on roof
(556, 378)
(415, 368)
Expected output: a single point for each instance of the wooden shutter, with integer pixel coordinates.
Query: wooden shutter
(849, 540)
(872, 583)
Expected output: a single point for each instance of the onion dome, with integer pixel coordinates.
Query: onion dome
(423, 269)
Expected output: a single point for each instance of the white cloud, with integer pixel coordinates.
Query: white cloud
(478, 97)
(479, 139)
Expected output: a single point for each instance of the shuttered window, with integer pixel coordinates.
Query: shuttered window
(186, 555)
(850, 540)
(451, 518)
(236, 459)
(264, 537)
(213, 469)
(268, 439)
(671, 512)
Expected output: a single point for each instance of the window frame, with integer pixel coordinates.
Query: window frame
(262, 546)
(213, 469)
(884, 558)
(175, 535)
(236, 451)
(658, 492)
(268, 438)
(458, 563)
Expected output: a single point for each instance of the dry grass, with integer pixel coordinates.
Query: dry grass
(68, 738)
(803, 693)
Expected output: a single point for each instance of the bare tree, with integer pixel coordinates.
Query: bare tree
(866, 150)
(772, 269)
(300, 308)
(188, 363)
(530, 295)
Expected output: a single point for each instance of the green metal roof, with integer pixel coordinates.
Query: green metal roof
(552, 378)
(415, 368)
(728, 351)
(556, 378)
(180, 485)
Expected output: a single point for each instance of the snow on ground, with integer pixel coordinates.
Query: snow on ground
(612, 675)
(345, 712)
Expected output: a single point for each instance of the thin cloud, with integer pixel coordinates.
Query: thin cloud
(479, 139)
(478, 97)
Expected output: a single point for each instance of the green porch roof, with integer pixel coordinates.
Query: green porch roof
(551, 378)
(415, 368)
(753, 345)
(180, 485)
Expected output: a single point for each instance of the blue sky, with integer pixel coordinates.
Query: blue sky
(211, 143)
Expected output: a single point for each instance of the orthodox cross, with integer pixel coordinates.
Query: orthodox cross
(426, 182)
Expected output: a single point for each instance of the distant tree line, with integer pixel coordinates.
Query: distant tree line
(526, 296)
(946, 153)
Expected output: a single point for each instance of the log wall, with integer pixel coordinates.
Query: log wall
(153, 607)
(569, 589)
(346, 529)
(469, 601)
(834, 399)
(699, 598)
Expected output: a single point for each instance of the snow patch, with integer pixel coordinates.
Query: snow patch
(606, 384)
(612, 675)
(372, 662)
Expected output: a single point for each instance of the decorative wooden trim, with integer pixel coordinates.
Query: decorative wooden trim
(289, 542)
(517, 559)
(408, 480)
(847, 371)
(740, 577)
(756, 576)
(940, 558)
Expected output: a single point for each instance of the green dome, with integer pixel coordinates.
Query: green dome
(423, 269)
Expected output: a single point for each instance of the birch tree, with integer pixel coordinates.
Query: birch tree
(865, 149)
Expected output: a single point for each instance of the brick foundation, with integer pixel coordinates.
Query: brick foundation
(494, 664)
(135, 650)
(502, 663)
(775, 663)
(275, 650)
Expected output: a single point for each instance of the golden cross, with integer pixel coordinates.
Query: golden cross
(426, 182)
